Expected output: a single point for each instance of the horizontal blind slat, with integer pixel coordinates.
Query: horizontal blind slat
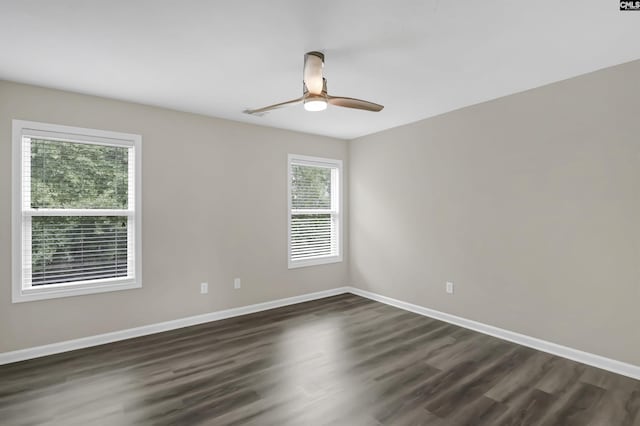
(312, 236)
(77, 248)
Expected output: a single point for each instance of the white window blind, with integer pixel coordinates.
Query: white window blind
(314, 211)
(76, 223)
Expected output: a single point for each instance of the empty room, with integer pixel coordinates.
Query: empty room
(357, 212)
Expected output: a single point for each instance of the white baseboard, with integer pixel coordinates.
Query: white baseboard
(101, 339)
(598, 361)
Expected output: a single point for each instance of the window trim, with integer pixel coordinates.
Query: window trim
(75, 134)
(323, 162)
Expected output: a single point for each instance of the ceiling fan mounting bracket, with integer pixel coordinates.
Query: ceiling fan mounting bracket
(316, 53)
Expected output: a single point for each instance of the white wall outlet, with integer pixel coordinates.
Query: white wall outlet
(236, 283)
(204, 288)
(449, 287)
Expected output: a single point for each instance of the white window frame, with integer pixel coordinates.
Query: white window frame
(336, 194)
(22, 293)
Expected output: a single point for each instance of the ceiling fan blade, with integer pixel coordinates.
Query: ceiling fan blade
(312, 75)
(354, 103)
(261, 111)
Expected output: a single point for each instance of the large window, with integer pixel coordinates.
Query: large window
(314, 211)
(76, 211)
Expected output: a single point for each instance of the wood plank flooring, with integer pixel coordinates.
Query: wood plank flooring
(343, 360)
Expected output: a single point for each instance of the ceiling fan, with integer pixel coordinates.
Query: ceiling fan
(314, 91)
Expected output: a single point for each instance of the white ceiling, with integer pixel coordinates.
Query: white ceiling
(419, 58)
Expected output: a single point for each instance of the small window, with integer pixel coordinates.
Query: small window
(76, 211)
(315, 216)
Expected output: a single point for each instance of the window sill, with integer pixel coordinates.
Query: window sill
(314, 262)
(69, 290)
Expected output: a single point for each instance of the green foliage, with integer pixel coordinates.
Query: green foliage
(310, 187)
(77, 176)
(72, 175)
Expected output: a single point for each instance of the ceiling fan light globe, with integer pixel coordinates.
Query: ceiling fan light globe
(315, 105)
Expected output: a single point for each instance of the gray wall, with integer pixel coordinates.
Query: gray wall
(214, 208)
(529, 203)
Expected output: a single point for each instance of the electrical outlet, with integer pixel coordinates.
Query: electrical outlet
(236, 283)
(204, 288)
(449, 287)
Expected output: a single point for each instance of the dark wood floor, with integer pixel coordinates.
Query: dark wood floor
(343, 360)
